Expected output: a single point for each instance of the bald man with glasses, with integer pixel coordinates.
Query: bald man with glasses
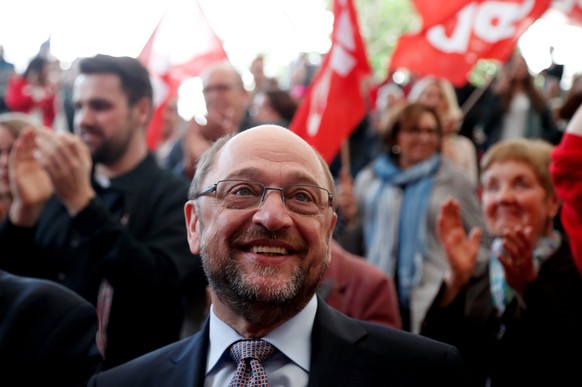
(261, 215)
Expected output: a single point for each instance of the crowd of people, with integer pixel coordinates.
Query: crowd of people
(440, 255)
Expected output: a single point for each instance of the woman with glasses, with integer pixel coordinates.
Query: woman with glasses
(389, 215)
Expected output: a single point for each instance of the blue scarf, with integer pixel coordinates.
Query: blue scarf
(386, 217)
(501, 293)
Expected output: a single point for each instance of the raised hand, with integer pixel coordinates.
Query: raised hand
(517, 259)
(67, 160)
(461, 249)
(218, 124)
(30, 184)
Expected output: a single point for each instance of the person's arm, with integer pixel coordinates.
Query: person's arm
(566, 171)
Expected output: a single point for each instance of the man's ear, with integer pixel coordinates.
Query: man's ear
(144, 110)
(192, 226)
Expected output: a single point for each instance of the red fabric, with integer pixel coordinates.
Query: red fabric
(181, 47)
(455, 35)
(19, 98)
(359, 289)
(566, 171)
(334, 104)
(572, 10)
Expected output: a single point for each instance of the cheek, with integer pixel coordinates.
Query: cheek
(488, 206)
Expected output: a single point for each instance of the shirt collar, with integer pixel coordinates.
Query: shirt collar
(293, 338)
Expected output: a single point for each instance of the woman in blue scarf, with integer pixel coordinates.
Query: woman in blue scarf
(394, 205)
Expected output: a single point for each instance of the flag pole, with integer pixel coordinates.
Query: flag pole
(345, 156)
(476, 94)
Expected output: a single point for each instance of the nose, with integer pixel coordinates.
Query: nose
(272, 212)
(505, 194)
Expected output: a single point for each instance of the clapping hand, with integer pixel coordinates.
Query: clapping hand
(461, 249)
(517, 257)
(30, 183)
(67, 161)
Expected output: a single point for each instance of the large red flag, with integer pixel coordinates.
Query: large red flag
(181, 47)
(451, 40)
(334, 103)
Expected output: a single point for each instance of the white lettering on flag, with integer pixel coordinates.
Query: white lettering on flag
(491, 21)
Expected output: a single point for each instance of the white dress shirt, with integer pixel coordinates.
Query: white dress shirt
(289, 366)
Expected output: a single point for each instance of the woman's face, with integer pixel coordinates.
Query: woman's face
(513, 196)
(420, 142)
(518, 69)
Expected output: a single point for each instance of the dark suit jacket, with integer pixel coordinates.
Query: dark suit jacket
(47, 334)
(345, 352)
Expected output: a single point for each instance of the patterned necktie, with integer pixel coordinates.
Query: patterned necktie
(249, 354)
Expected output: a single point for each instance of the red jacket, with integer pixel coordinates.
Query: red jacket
(20, 98)
(566, 170)
(359, 289)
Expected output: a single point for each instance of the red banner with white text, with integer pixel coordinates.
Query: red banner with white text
(334, 104)
(457, 34)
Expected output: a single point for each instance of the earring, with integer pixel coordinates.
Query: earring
(395, 149)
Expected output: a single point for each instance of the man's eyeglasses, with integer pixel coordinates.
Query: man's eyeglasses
(304, 199)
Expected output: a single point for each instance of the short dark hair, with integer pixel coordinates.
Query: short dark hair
(282, 102)
(135, 79)
(36, 65)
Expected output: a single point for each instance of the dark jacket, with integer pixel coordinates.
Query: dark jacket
(345, 352)
(133, 235)
(47, 334)
(533, 343)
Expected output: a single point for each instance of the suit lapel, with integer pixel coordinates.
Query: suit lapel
(336, 358)
(189, 360)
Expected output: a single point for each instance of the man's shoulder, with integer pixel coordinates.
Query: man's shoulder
(175, 363)
(26, 289)
(410, 359)
(374, 336)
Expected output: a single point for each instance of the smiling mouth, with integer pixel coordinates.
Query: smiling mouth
(269, 250)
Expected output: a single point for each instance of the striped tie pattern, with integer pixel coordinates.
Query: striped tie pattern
(249, 355)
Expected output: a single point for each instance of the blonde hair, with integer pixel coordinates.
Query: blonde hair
(453, 110)
(15, 122)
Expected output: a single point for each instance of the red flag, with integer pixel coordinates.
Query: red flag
(334, 104)
(570, 9)
(181, 47)
(478, 29)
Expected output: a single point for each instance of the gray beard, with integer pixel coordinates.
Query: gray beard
(254, 305)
